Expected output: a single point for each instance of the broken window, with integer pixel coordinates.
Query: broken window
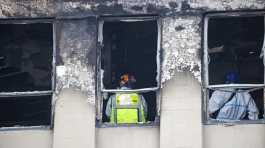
(26, 66)
(234, 70)
(129, 45)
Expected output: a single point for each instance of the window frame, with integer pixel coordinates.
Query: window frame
(50, 92)
(99, 78)
(205, 72)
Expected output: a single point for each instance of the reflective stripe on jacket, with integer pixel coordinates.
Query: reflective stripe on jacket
(127, 108)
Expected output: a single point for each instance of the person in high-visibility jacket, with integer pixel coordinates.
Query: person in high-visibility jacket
(126, 107)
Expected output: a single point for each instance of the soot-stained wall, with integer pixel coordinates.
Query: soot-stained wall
(76, 58)
(27, 8)
(76, 39)
(181, 46)
(36, 8)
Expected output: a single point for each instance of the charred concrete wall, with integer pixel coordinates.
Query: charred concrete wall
(76, 40)
(75, 88)
(181, 44)
(181, 17)
(76, 55)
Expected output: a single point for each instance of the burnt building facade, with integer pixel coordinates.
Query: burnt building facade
(60, 61)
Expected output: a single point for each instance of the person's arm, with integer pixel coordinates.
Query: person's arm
(214, 102)
(253, 112)
(109, 106)
(144, 105)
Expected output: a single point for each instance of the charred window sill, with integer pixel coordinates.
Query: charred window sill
(232, 123)
(110, 125)
(23, 128)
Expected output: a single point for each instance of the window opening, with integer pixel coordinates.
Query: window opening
(234, 65)
(235, 44)
(130, 46)
(26, 67)
(25, 110)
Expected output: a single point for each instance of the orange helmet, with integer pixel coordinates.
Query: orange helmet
(127, 80)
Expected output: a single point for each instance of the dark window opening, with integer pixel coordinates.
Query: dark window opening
(235, 45)
(25, 111)
(131, 47)
(26, 55)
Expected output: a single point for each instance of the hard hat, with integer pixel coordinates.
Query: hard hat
(231, 77)
(127, 80)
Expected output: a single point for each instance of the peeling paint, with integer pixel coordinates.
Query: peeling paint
(70, 6)
(60, 71)
(232, 4)
(78, 77)
(31, 8)
(77, 50)
(50, 8)
(167, 7)
(181, 46)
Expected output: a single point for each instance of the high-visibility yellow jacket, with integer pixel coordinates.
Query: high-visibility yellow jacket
(127, 108)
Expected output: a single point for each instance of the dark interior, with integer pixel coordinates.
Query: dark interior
(25, 111)
(235, 45)
(130, 47)
(25, 65)
(242, 40)
(26, 57)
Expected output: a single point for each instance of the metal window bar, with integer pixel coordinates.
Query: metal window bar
(237, 89)
(205, 51)
(263, 46)
(236, 14)
(26, 20)
(236, 86)
(16, 128)
(159, 58)
(142, 90)
(129, 18)
(21, 94)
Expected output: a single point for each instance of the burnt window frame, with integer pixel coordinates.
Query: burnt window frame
(50, 92)
(99, 78)
(205, 70)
